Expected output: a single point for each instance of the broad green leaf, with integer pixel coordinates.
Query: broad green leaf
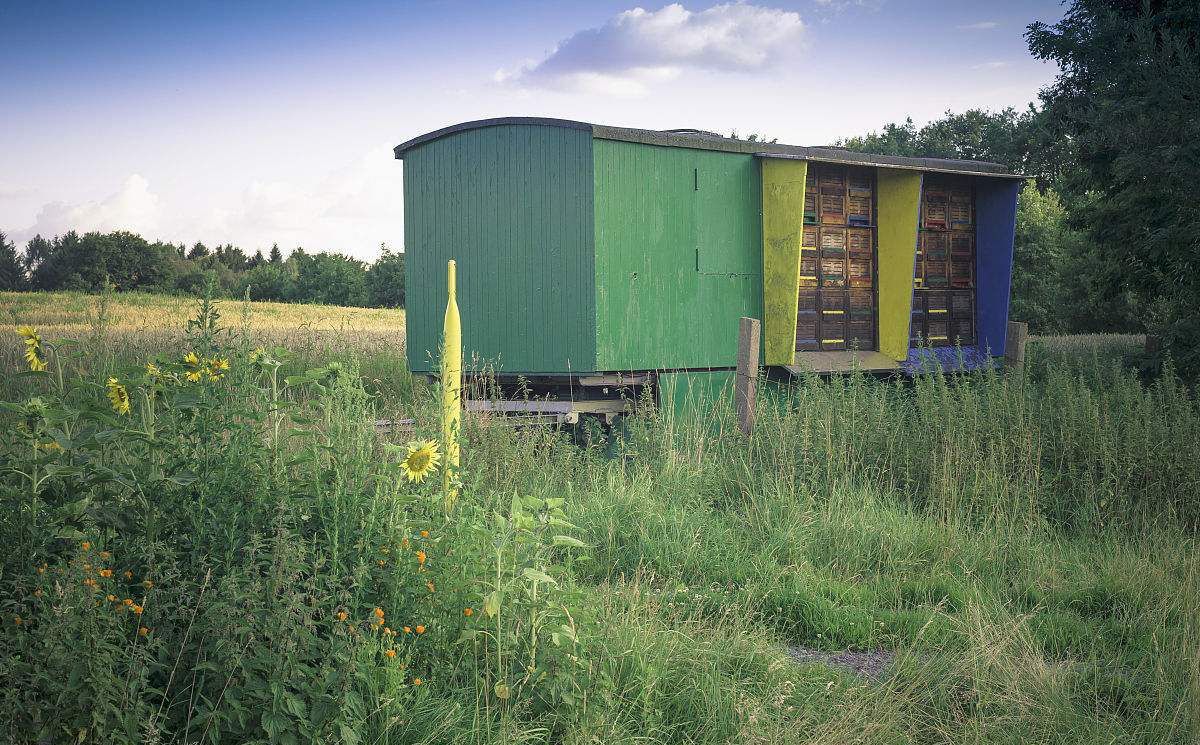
(491, 605)
(566, 540)
(537, 576)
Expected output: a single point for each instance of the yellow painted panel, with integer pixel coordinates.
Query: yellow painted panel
(783, 227)
(899, 195)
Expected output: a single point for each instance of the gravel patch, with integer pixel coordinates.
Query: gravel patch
(872, 665)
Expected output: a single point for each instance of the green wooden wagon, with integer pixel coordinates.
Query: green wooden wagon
(592, 257)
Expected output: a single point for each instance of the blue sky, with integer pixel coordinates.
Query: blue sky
(259, 122)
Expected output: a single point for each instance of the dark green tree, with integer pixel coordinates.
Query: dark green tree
(276, 254)
(12, 272)
(1019, 141)
(331, 279)
(385, 280)
(1128, 100)
(75, 262)
(269, 282)
(37, 250)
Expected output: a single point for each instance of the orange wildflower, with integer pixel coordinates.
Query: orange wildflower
(390, 653)
(416, 681)
(421, 557)
(142, 631)
(424, 533)
(86, 545)
(137, 609)
(468, 611)
(429, 584)
(105, 572)
(408, 629)
(420, 629)
(148, 584)
(341, 615)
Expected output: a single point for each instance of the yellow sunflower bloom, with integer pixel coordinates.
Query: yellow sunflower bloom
(422, 460)
(191, 359)
(34, 354)
(118, 396)
(217, 368)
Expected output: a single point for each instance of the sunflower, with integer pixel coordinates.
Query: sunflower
(118, 396)
(34, 354)
(191, 360)
(217, 367)
(422, 460)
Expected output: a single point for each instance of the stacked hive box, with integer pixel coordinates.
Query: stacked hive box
(944, 282)
(836, 308)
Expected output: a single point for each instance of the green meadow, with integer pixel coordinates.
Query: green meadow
(206, 553)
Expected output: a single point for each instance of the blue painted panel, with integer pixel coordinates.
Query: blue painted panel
(996, 219)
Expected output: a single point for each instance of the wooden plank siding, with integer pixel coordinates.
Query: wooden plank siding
(678, 255)
(899, 210)
(513, 205)
(783, 225)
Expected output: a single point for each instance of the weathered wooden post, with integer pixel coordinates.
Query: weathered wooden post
(746, 385)
(1014, 349)
(451, 386)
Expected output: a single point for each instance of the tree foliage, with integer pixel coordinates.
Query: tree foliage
(1128, 100)
(126, 261)
(12, 273)
(385, 280)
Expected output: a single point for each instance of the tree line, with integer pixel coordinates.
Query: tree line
(128, 261)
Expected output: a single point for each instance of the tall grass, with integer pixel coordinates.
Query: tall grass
(1024, 546)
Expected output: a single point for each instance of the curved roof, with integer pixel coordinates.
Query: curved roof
(701, 140)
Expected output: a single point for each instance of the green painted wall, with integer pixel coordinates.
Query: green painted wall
(678, 255)
(513, 206)
(696, 395)
(783, 229)
(899, 197)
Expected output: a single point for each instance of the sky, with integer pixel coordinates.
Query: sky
(271, 122)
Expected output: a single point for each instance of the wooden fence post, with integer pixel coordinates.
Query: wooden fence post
(746, 385)
(1014, 349)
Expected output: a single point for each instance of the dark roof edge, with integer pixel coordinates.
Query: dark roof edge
(701, 141)
(932, 165)
(403, 147)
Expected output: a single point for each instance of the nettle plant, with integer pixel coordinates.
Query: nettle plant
(535, 613)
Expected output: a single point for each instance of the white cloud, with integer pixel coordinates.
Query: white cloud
(981, 26)
(350, 210)
(639, 48)
(132, 207)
